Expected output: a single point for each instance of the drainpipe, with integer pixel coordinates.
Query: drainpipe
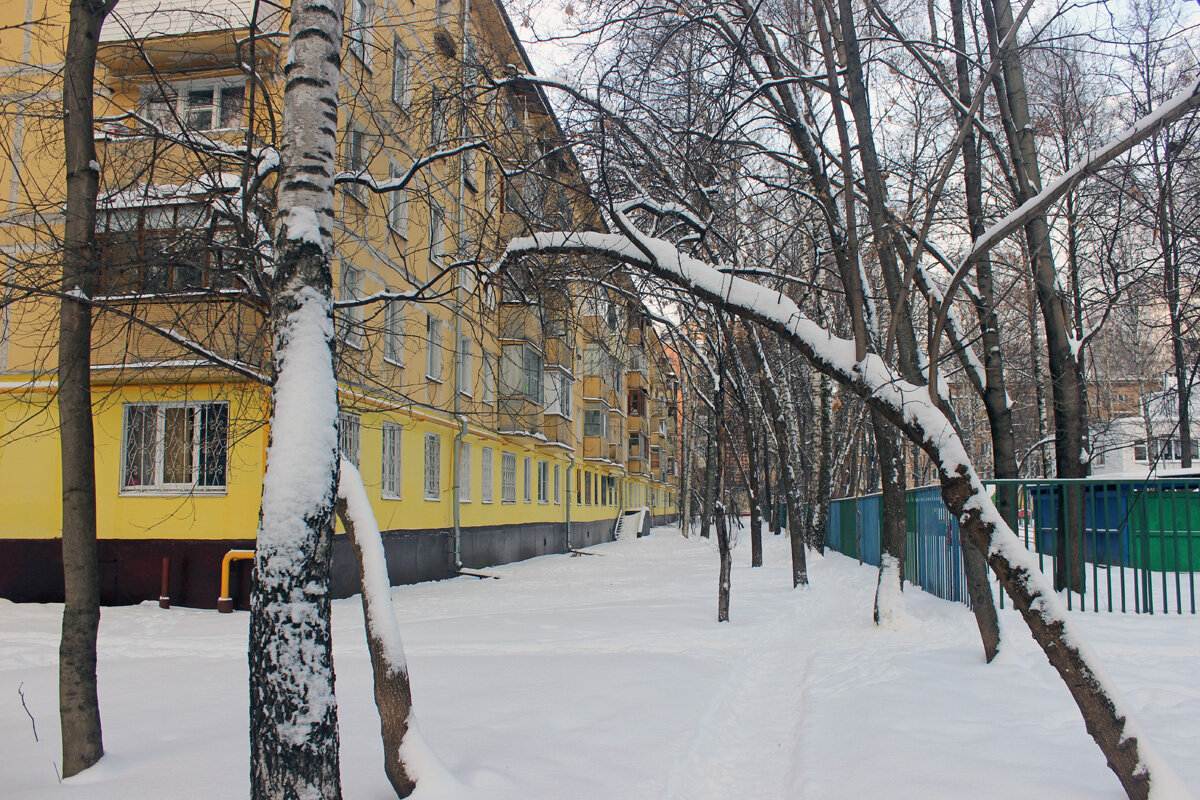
(456, 458)
(570, 470)
(462, 431)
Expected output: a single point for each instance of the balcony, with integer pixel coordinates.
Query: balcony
(153, 37)
(519, 415)
(596, 388)
(638, 424)
(559, 352)
(559, 430)
(520, 323)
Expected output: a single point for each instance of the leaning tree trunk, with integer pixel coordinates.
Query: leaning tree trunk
(393, 693)
(78, 701)
(293, 712)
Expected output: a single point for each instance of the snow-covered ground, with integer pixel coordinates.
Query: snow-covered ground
(607, 676)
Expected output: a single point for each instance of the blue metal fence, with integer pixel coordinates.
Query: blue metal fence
(1118, 545)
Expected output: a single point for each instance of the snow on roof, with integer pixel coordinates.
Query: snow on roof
(169, 193)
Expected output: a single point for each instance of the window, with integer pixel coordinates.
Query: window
(637, 403)
(433, 466)
(356, 28)
(489, 379)
(464, 366)
(349, 437)
(1139, 450)
(437, 120)
(356, 160)
(543, 479)
(398, 204)
(464, 472)
(485, 475)
(557, 495)
(578, 488)
(400, 73)
(508, 478)
(393, 333)
(391, 459)
(521, 372)
(528, 475)
(469, 164)
(490, 189)
(350, 317)
(197, 106)
(153, 249)
(587, 488)
(558, 393)
(433, 355)
(175, 447)
(595, 422)
(437, 234)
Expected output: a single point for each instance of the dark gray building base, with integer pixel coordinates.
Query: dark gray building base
(424, 555)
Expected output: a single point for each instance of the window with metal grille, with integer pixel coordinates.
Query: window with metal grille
(349, 436)
(172, 447)
(433, 466)
(528, 475)
(391, 459)
(543, 481)
(485, 474)
(464, 472)
(508, 478)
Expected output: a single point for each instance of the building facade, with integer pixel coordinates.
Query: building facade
(494, 416)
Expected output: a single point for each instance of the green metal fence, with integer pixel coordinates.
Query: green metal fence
(1108, 545)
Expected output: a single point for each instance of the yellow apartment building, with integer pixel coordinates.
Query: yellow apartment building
(493, 417)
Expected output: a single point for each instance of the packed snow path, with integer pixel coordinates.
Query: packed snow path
(606, 675)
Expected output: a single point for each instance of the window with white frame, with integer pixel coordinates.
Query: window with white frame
(543, 480)
(350, 317)
(489, 378)
(433, 466)
(401, 73)
(528, 475)
(356, 160)
(350, 436)
(464, 472)
(391, 459)
(398, 204)
(196, 105)
(595, 421)
(469, 162)
(558, 393)
(437, 234)
(393, 332)
(175, 447)
(557, 495)
(357, 28)
(491, 189)
(437, 120)
(485, 474)
(521, 372)
(433, 354)
(464, 366)
(508, 477)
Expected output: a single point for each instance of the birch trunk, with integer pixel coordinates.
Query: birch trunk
(393, 692)
(293, 712)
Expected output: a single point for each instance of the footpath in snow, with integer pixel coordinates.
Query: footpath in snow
(606, 675)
